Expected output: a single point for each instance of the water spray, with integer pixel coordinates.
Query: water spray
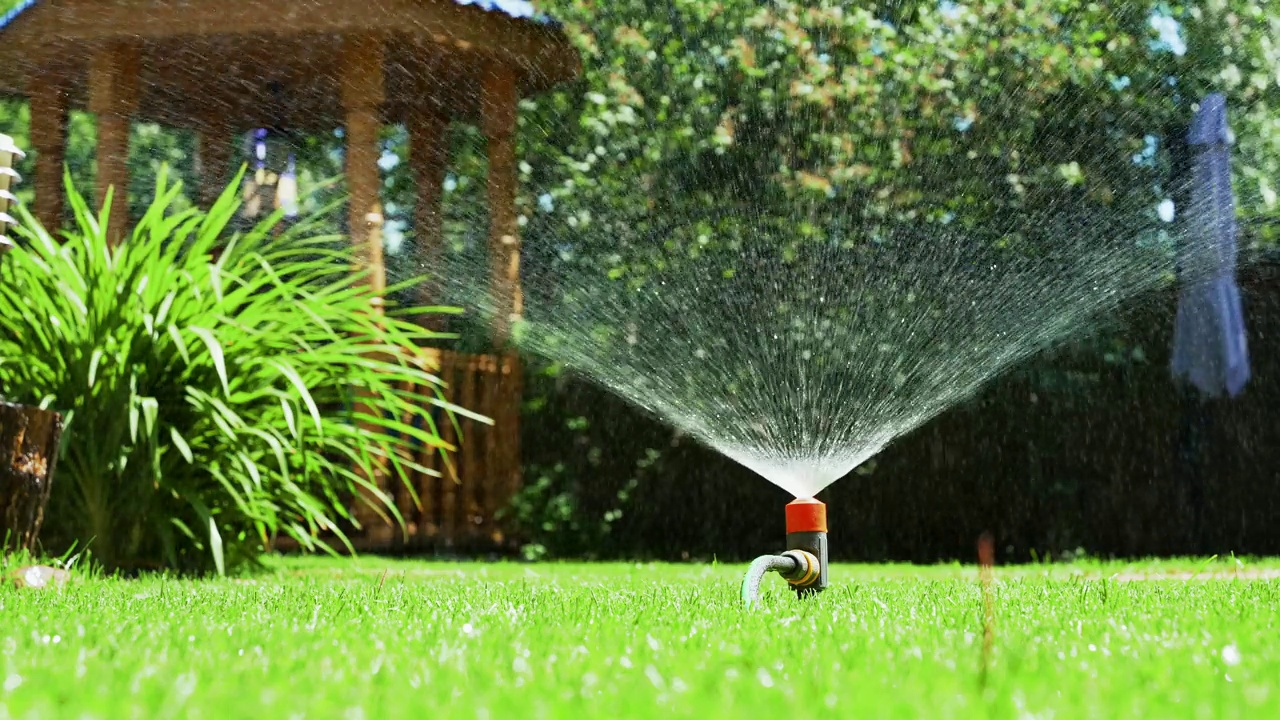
(804, 564)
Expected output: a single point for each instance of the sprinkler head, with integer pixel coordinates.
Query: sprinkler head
(804, 564)
(807, 544)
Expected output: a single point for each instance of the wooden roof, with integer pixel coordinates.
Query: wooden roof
(277, 62)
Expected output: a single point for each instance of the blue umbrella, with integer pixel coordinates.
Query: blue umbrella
(1209, 345)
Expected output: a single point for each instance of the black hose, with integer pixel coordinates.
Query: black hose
(759, 567)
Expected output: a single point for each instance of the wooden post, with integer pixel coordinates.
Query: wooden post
(213, 157)
(29, 439)
(429, 157)
(48, 95)
(113, 96)
(362, 97)
(498, 105)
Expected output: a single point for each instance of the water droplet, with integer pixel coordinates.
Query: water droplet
(1231, 655)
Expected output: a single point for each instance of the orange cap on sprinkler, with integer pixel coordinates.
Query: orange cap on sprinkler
(806, 515)
(807, 536)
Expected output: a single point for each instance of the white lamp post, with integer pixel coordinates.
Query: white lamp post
(9, 179)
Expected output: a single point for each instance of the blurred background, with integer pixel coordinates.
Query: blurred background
(905, 111)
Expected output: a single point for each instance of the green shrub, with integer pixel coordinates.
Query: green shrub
(209, 396)
(573, 504)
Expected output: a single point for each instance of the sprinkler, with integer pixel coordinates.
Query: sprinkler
(804, 564)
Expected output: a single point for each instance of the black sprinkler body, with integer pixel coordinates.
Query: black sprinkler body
(804, 564)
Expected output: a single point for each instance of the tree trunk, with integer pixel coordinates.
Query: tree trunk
(29, 439)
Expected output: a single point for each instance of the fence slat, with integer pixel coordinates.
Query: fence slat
(429, 485)
(468, 466)
(449, 483)
(404, 479)
(485, 490)
(509, 433)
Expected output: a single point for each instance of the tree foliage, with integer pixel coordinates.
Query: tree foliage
(988, 114)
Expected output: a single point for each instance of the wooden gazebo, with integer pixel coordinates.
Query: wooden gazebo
(222, 68)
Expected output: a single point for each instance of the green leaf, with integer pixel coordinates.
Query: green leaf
(93, 366)
(303, 393)
(179, 343)
(150, 412)
(215, 547)
(181, 444)
(215, 350)
(287, 410)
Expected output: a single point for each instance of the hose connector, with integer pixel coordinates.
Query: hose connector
(807, 569)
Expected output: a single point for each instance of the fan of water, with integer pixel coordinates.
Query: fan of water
(803, 360)
(800, 331)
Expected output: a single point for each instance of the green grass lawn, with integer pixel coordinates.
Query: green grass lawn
(384, 639)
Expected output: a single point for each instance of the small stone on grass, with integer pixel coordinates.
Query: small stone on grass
(41, 577)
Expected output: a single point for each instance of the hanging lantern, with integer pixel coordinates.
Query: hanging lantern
(273, 183)
(256, 184)
(9, 179)
(287, 189)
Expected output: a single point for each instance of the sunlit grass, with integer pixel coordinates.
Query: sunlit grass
(389, 639)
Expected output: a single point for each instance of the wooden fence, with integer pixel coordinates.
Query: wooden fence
(458, 500)
(459, 497)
